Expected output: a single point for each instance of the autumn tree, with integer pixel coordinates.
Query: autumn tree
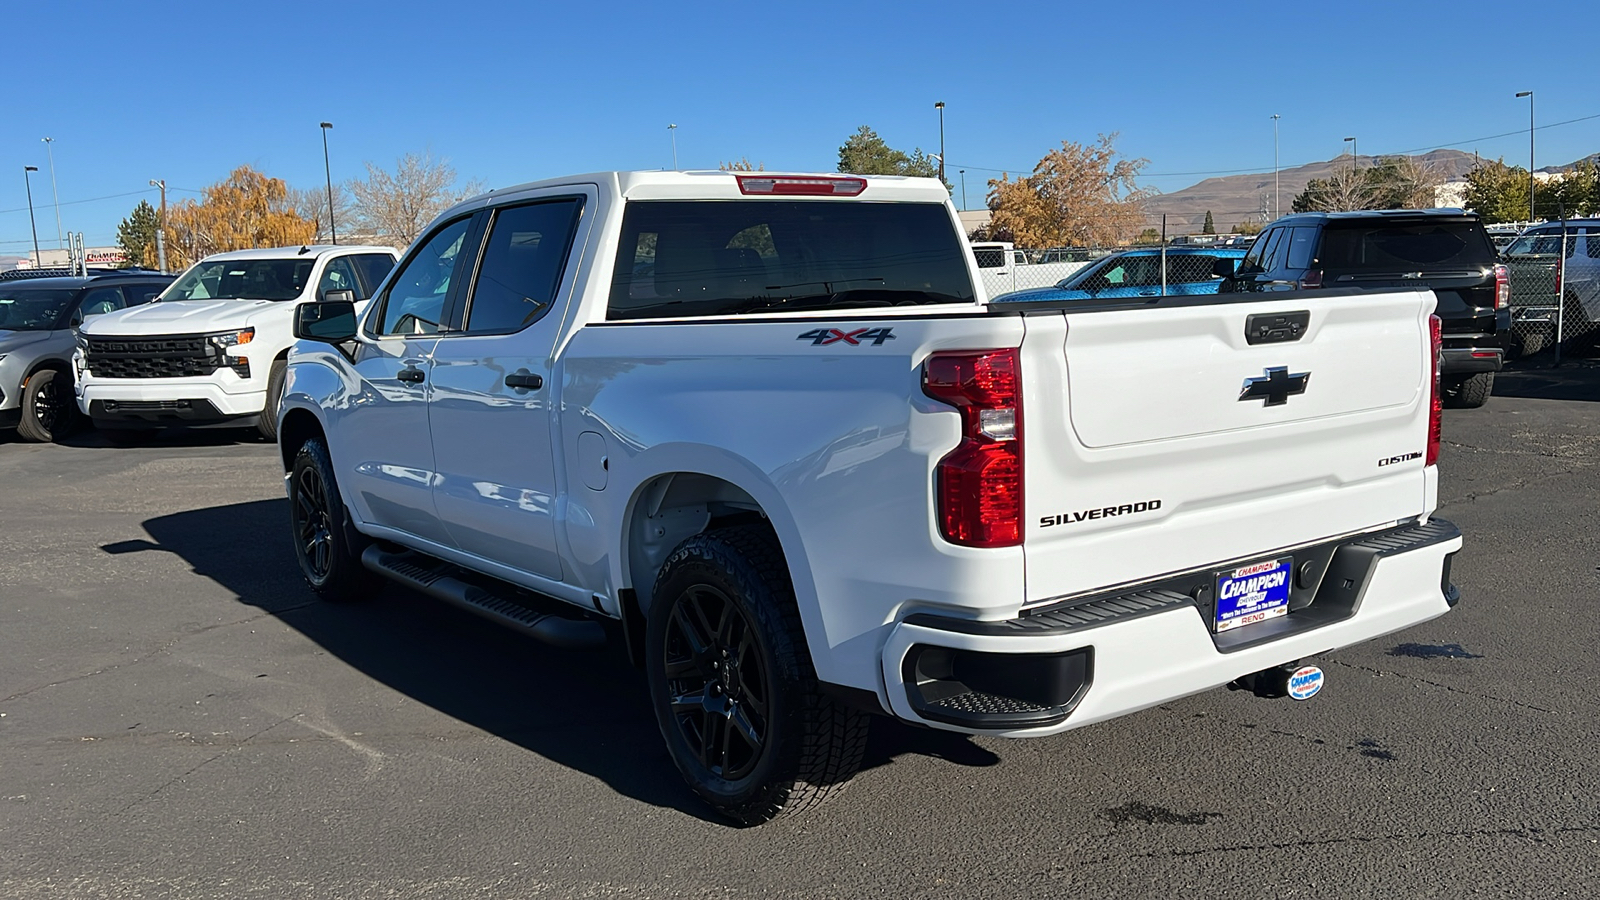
(866, 154)
(136, 235)
(242, 212)
(394, 207)
(742, 164)
(1249, 226)
(1080, 195)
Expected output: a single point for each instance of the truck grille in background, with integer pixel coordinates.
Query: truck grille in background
(160, 357)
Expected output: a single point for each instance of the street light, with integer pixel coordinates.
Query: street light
(1529, 95)
(161, 226)
(1275, 207)
(963, 190)
(37, 259)
(48, 152)
(673, 130)
(1352, 142)
(940, 107)
(327, 172)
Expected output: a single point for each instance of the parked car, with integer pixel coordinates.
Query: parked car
(1137, 273)
(806, 472)
(1446, 251)
(37, 320)
(211, 352)
(1539, 270)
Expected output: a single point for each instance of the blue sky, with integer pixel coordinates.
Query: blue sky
(516, 91)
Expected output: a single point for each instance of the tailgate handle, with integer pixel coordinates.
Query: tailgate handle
(1276, 328)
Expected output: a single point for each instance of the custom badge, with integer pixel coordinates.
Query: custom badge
(1305, 682)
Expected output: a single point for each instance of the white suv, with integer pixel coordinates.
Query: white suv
(210, 351)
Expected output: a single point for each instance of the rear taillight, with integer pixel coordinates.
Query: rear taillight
(1312, 279)
(1502, 288)
(978, 485)
(816, 186)
(1436, 398)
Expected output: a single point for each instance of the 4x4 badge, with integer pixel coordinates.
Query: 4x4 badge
(821, 337)
(1276, 387)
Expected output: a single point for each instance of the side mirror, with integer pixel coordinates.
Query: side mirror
(1224, 267)
(331, 321)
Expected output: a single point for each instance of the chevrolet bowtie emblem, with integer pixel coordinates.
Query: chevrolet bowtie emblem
(1275, 387)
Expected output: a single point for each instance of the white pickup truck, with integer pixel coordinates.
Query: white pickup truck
(769, 429)
(210, 352)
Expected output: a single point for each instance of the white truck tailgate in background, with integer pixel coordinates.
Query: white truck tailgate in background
(1141, 459)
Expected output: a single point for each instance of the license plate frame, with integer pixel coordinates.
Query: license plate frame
(1250, 594)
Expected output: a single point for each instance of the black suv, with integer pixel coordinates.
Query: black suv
(1444, 250)
(38, 317)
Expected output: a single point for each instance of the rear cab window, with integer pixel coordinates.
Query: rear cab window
(740, 257)
(1360, 247)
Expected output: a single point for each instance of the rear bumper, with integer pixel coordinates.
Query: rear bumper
(1109, 656)
(1467, 360)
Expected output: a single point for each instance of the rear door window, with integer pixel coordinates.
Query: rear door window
(705, 258)
(339, 275)
(1302, 247)
(523, 260)
(1400, 246)
(372, 267)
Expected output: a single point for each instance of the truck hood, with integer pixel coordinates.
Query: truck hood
(11, 340)
(182, 317)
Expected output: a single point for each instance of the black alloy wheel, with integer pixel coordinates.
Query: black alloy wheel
(325, 546)
(47, 413)
(313, 526)
(718, 682)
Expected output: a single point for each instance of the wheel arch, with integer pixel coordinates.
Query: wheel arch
(678, 499)
(297, 426)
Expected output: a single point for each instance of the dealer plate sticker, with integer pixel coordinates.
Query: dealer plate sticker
(1253, 594)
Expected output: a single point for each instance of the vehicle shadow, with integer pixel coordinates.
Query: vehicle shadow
(1577, 379)
(587, 711)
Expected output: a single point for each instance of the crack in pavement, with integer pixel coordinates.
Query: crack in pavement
(1515, 485)
(1450, 688)
(234, 749)
(1518, 831)
(159, 651)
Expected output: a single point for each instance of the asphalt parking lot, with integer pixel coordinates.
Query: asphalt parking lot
(179, 718)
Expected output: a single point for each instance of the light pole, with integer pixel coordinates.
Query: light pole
(1275, 207)
(673, 130)
(161, 226)
(1529, 95)
(48, 152)
(37, 259)
(1352, 142)
(963, 190)
(327, 172)
(940, 107)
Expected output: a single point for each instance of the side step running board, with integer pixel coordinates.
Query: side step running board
(437, 580)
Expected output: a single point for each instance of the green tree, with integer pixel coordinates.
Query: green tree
(1210, 227)
(1148, 238)
(1498, 192)
(136, 235)
(1397, 182)
(866, 154)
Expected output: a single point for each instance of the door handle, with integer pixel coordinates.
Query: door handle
(1149, 293)
(410, 375)
(523, 381)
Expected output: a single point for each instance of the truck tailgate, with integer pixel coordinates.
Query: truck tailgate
(1160, 439)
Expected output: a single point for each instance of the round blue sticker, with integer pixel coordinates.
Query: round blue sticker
(1305, 682)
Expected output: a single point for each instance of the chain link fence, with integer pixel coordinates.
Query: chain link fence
(1554, 269)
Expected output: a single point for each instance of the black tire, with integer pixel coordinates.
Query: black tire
(1532, 342)
(737, 698)
(267, 425)
(324, 543)
(1471, 391)
(49, 411)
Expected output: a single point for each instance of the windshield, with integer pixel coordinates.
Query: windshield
(243, 279)
(703, 258)
(32, 310)
(1545, 241)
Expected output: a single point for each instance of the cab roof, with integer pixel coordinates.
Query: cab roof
(300, 251)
